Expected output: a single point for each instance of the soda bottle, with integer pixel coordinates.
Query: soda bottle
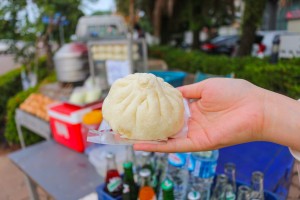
(146, 191)
(203, 165)
(194, 195)
(146, 161)
(219, 190)
(113, 180)
(230, 190)
(130, 189)
(178, 173)
(167, 187)
(243, 193)
(257, 185)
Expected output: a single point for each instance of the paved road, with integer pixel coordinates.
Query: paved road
(7, 63)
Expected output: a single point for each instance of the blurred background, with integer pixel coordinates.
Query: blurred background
(58, 60)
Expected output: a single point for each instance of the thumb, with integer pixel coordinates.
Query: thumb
(192, 91)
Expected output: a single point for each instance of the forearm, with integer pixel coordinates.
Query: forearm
(282, 120)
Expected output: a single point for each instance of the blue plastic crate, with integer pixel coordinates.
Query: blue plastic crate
(267, 194)
(102, 195)
(274, 160)
(174, 78)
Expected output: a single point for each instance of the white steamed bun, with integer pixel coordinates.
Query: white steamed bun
(142, 106)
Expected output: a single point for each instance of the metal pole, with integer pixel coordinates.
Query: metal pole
(131, 24)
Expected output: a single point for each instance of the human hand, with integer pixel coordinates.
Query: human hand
(226, 112)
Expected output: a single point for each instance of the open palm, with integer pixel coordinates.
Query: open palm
(225, 112)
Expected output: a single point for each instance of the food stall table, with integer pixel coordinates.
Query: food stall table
(61, 172)
(33, 123)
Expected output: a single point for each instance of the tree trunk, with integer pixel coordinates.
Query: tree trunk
(251, 20)
(157, 12)
(45, 39)
(196, 43)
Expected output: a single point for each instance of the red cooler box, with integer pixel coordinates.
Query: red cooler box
(65, 122)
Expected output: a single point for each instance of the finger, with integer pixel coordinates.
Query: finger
(172, 145)
(192, 91)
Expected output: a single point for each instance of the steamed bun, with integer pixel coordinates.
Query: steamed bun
(142, 106)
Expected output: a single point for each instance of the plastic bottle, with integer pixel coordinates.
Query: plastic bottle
(203, 165)
(113, 179)
(167, 187)
(130, 189)
(178, 173)
(257, 185)
(146, 191)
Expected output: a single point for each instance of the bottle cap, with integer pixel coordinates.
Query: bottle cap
(167, 185)
(194, 195)
(127, 165)
(145, 173)
(110, 155)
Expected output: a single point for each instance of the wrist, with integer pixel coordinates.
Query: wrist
(281, 120)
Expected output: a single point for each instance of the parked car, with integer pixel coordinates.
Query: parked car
(264, 47)
(224, 44)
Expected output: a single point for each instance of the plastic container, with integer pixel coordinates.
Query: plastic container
(174, 78)
(65, 123)
(90, 120)
(274, 160)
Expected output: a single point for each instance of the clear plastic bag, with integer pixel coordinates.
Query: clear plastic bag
(105, 135)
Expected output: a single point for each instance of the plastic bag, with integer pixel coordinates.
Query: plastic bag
(105, 135)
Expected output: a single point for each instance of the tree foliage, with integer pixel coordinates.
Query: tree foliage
(170, 17)
(23, 20)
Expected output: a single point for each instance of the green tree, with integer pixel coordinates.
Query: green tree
(169, 17)
(15, 22)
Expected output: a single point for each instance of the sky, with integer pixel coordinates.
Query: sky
(102, 5)
(88, 7)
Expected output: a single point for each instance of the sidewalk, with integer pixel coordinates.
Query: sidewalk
(12, 182)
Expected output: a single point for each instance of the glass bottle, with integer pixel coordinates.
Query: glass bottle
(167, 187)
(230, 189)
(146, 191)
(194, 195)
(244, 193)
(160, 163)
(130, 189)
(219, 190)
(257, 185)
(113, 179)
(229, 170)
(146, 161)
